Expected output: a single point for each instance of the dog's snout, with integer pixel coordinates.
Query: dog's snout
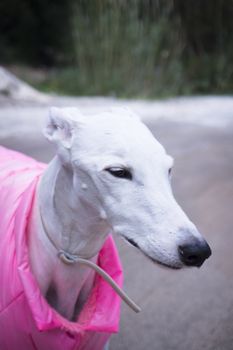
(194, 254)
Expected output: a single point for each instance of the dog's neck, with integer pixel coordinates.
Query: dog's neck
(72, 224)
(75, 224)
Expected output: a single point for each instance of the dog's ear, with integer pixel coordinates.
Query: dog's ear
(62, 124)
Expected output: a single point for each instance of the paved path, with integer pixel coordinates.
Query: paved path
(189, 309)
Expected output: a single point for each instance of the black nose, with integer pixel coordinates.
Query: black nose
(194, 254)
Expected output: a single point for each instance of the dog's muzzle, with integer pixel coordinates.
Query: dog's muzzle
(194, 254)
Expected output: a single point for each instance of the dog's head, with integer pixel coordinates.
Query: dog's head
(124, 172)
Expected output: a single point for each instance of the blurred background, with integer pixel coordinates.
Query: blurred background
(125, 48)
(171, 61)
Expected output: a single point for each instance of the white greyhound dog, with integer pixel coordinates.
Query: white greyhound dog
(109, 174)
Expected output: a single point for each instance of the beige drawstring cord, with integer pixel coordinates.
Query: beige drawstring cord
(70, 259)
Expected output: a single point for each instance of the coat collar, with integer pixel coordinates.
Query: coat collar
(102, 310)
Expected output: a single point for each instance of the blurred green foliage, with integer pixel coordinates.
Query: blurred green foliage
(36, 31)
(143, 48)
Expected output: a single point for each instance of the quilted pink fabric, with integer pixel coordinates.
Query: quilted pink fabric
(26, 320)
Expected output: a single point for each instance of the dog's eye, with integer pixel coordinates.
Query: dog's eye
(169, 171)
(123, 173)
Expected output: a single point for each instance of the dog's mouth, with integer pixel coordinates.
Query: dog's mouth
(160, 263)
(132, 242)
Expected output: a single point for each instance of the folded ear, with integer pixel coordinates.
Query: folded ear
(62, 124)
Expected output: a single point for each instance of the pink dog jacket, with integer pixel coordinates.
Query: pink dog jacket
(27, 322)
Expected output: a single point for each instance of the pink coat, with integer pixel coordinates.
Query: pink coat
(26, 320)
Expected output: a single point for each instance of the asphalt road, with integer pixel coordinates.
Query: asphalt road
(193, 308)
